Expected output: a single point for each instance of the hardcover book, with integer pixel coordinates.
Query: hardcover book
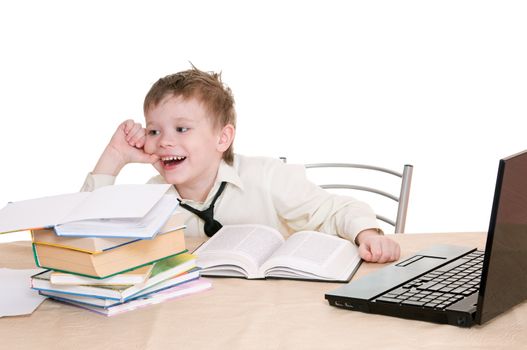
(109, 262)
(99, 244)
(135, 276)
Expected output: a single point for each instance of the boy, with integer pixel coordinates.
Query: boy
(190, 128)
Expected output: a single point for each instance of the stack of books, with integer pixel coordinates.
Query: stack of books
(165, 279)
(108, 260)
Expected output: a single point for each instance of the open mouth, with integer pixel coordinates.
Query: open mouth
(171, 161)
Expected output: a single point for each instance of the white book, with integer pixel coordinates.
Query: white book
(257, 252)
(136, 276)
(132, 211)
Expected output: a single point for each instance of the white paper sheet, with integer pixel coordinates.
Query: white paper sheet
(16, 295)
(118, 201)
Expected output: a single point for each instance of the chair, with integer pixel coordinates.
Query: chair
(400, 182)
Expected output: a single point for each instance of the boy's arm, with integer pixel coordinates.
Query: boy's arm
(125, 146)
(305, 206)
(94, 181)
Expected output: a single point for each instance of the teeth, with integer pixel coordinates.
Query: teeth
(169, 158)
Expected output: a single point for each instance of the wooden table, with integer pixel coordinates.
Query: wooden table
(243, 314)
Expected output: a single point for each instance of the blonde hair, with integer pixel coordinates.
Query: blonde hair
(207, 87)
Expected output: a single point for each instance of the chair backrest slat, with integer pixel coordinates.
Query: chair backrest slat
(402, 200)
(361, 188)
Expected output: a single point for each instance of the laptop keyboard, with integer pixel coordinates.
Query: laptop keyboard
(441, 287)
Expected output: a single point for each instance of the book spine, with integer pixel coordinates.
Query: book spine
(75, 293)
(35, 256)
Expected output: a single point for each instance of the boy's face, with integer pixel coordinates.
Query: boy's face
(181, 133)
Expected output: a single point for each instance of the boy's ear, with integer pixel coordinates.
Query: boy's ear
(226, 137)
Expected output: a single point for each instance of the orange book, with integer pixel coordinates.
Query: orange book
(110, 262)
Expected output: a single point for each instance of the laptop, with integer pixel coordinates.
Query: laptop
(456, 285)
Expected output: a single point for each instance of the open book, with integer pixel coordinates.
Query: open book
(256, 251)
(134, 211)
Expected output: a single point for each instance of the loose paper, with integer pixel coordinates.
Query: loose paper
(16, 295)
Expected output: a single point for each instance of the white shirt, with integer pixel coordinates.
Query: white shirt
(266, 191)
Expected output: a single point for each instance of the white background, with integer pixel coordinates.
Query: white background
(438, 84)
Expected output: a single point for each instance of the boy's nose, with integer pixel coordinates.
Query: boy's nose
(167, 141)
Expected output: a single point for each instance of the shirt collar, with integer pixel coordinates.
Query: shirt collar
(229, 174)
(226, 172)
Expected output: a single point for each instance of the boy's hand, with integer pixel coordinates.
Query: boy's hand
(125, 146)
(374, 247)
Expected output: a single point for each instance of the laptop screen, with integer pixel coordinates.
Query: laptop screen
(504, 275)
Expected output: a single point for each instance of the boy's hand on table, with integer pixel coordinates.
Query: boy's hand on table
(374, 247)
(125, 146)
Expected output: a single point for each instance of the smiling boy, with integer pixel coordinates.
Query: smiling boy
(190, 128)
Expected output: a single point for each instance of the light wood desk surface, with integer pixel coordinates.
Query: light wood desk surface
(243, 314)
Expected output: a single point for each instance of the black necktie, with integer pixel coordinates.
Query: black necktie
(211, 226)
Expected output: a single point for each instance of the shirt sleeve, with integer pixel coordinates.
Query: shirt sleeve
(303, 205)
(94, 181)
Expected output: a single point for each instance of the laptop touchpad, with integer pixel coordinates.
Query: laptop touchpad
(419, 258)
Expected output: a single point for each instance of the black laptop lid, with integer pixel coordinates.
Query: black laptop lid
(504, 275)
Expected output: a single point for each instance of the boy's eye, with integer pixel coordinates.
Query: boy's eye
(153, 132)
(180, 129)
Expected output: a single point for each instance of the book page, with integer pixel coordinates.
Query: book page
(234, 271)
(317, 254)
(15, 296)
(245, 245)
(87, 244)
(141, 227)
(118, 201)
(38, 213)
